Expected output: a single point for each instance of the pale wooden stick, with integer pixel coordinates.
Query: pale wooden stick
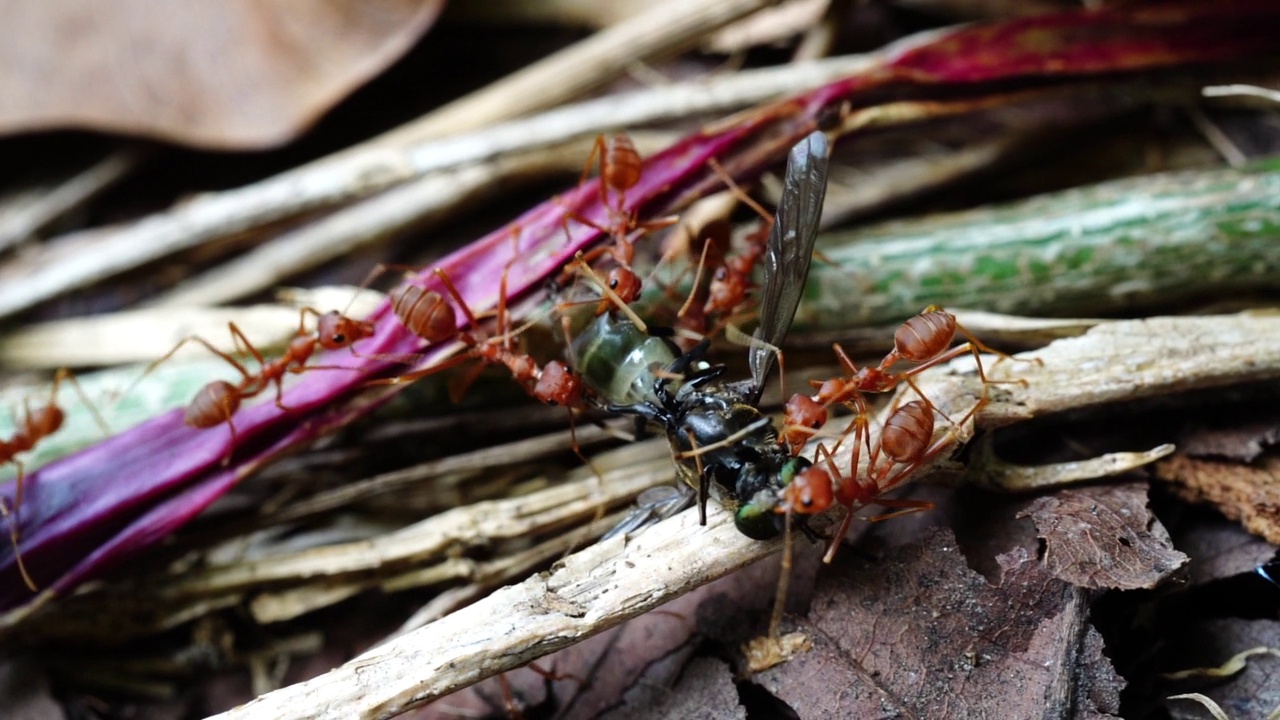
(33, 208)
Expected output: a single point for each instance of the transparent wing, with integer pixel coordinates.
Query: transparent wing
(790, 249)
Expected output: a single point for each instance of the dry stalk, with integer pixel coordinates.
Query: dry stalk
(143, 335)
(474, 525)
(25, 212)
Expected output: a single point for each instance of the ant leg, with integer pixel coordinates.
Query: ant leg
(65, 374)
(737, 191)
(906, 507)
(231, 426)
(906, 377)
(697, 281)
(846, 363)
(244, 373)
(984, 347)
(17, 485)
(11, 517)
(597, 151)
(239, 337)
(860, 431)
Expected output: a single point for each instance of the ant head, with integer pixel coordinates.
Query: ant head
(337, 331)
(558, 385)
(625, 283)
(808, 494)
(804, 411)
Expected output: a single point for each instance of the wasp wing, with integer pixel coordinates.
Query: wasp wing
(789, 252)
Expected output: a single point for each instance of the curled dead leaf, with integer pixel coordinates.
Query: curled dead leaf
(238, 74)
(1104, 537)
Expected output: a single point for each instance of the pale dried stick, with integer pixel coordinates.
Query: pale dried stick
(29, 210)
(143, 335)
(414, 205)
(472, 525)
(663, 29)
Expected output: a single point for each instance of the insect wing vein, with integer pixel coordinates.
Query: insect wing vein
(790, 250)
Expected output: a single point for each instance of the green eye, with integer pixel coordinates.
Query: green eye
(758, 522)
(791, 469)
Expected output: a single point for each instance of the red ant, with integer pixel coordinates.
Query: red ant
(620, 169)
(922, 340)
(217, 402)
(732, 280)
(30, 429)
(906, 440)
(428, 315)
(731, 283)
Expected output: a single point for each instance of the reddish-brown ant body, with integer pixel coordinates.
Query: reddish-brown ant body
(906, 440)
(427, 314)
(217, 402)
(922, 340)
(620, 169)
(29, 430)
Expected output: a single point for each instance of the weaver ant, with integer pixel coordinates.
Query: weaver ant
(29, 430)
(906, 441)
(923, 340)
(427, 314)
(620, 169)
(217, 402)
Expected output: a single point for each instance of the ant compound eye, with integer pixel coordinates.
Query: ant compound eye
(339, 338)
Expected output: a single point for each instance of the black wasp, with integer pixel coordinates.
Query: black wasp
(717, 434)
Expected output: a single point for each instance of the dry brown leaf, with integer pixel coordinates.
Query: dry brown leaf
(1104, 537)
(1248, 493)
(916, 633)
(235, 74)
